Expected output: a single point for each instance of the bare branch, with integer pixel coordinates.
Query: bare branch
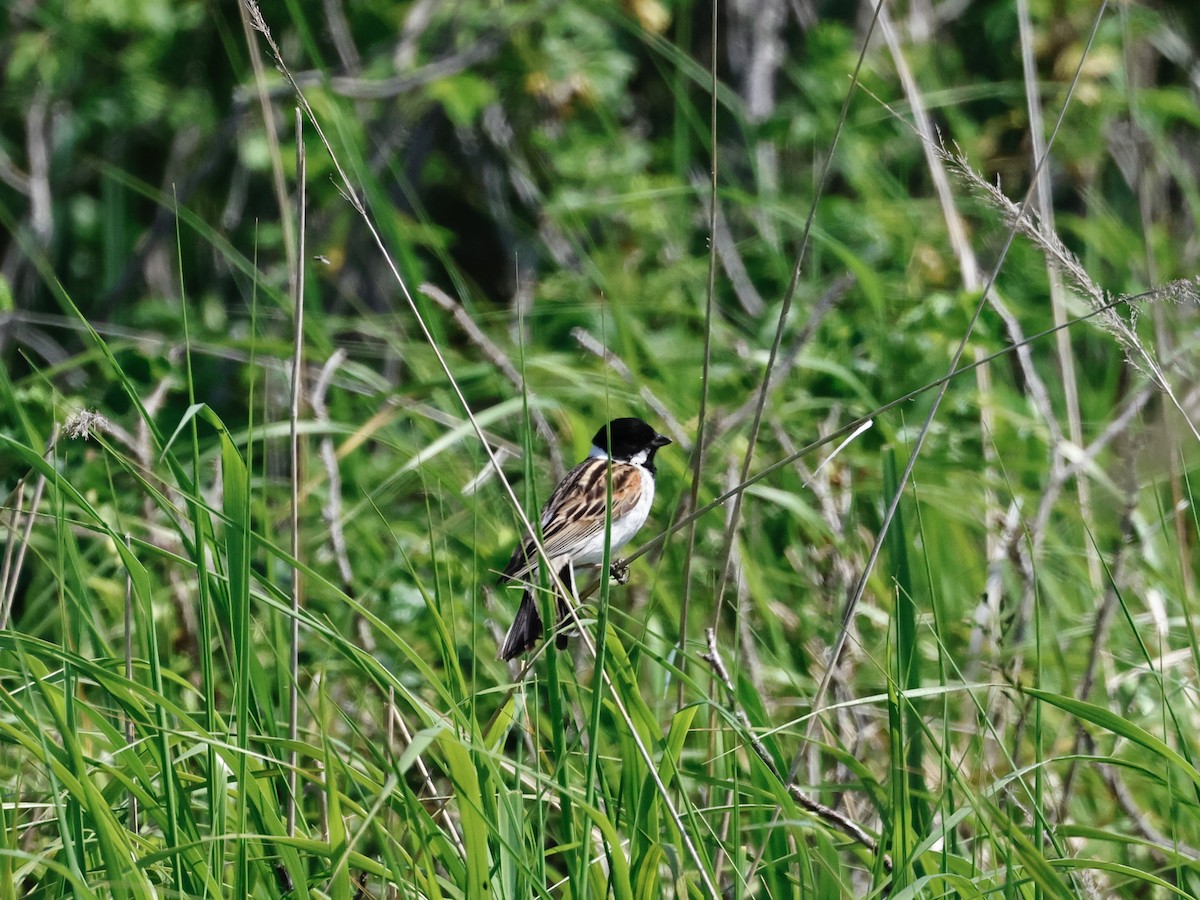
(828, 814)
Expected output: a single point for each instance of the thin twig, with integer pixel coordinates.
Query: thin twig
(863, 422)
(1058, 301)
(1036, 531)
(593, 346)
(936, 160)
(698, 446)
(956, 230)
(1149, 190)
(395, 720)
(354, 88)
(356, 202)
(1104, 614)
(1141, 822)
(332, 513)
(294, 421)
(278, 181)
(828, 814)
(339, 32)
(721, 239)
(852, 602)
(834, 293)
(152, 343)
(37, 146)
(785, 308)
(10, 547)
(13, 574)
(498, 358)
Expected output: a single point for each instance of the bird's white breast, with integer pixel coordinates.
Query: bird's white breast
(623, 527)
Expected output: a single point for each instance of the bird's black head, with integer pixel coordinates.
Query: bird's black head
(629, 440)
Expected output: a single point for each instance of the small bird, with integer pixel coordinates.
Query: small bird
(573, 520)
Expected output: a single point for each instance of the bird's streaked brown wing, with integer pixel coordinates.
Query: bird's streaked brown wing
(575, 511)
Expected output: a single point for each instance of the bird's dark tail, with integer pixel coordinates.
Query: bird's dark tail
(526, 629)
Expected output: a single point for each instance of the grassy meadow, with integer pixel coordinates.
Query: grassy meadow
(912, 289)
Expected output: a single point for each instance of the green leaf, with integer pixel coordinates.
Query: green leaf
(1118, 725)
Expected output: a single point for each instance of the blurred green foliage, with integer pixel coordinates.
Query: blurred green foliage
(546, 165)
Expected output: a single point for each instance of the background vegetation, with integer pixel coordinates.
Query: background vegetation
(1013, 710)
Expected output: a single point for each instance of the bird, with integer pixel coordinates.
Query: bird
(572, 521)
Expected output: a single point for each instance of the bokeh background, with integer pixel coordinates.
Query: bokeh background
(1014, 708)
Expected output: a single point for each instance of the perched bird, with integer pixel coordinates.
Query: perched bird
(573, 520)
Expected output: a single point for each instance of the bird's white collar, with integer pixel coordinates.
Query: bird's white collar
(638, 459)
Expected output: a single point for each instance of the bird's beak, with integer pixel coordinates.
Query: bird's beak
(660, 440)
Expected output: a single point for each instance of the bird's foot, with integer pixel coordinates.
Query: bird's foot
(619, 571)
